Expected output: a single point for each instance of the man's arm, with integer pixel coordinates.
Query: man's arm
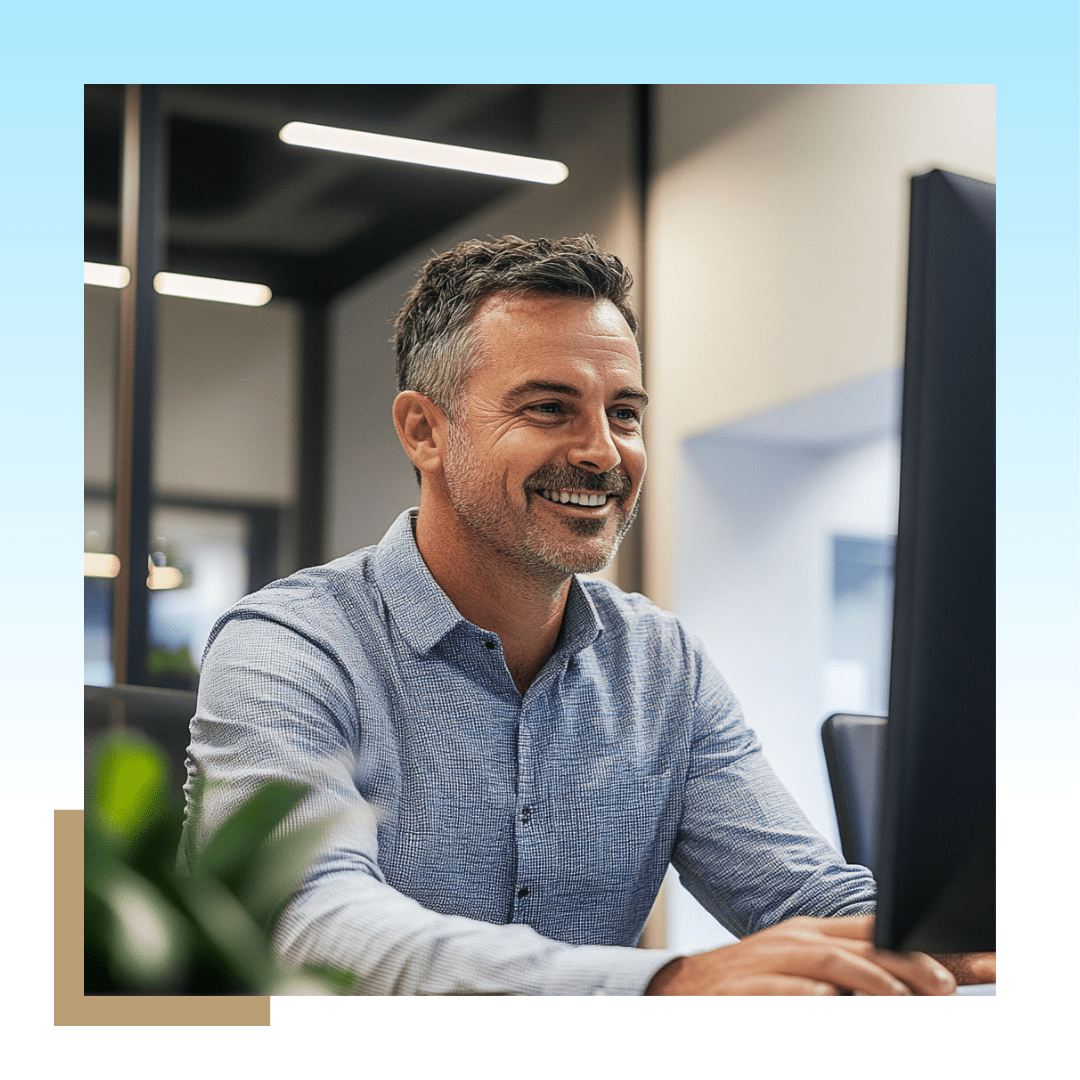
(790, 891)
(744, 847)
(275, 702)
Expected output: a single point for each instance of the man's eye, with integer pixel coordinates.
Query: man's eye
(548, 407)
(627, 415)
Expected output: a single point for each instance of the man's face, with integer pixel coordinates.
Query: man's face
(551, 423)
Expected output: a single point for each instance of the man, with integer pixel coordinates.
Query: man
(514, 754)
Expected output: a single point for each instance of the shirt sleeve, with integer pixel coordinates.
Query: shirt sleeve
(275, 702)
(744, 848)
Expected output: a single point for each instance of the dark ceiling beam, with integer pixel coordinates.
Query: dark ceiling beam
(143, 203)
(631, 566)
(316, 223)
(442, 108)
(314, 375)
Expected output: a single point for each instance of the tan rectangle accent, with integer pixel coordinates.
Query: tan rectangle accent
(71, 1007)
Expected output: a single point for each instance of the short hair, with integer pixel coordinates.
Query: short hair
(433, 335)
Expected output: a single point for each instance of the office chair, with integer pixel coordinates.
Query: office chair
(854, 753)
(161, 715)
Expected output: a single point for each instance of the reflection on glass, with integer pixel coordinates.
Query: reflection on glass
(97, 596)
(208, 548)
(197, 568)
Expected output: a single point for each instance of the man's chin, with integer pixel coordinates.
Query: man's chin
(571, 558)
(587, 526)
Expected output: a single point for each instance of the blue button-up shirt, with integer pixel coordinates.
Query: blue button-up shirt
(490, 842)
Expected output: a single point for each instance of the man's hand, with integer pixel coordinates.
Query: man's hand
(805, 956)
(970, 968)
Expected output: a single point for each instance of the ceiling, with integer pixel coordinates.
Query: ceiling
(308, 223)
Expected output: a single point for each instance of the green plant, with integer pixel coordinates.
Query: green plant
(153, 929)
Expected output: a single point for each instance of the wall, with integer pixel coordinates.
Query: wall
(776, 252)
(226, 397)
(762, 501)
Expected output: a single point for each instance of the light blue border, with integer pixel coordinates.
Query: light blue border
(51, 51)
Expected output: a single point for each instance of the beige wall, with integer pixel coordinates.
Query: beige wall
(226, 397)
(370, 479)
(776, 251)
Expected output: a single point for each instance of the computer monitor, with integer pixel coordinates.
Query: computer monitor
(936, 829)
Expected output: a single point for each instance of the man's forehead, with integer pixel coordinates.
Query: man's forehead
(513, 328)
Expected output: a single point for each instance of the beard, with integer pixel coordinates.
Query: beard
(578, 545)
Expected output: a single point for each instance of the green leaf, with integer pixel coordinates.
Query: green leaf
(242, 944)
(146, 938)
(233, 852)
(276, 870)
(128, 787)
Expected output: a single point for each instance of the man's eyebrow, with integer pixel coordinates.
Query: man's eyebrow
(633, 393)
(543, 386)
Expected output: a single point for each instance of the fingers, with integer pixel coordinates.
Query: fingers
(807, 957)
(970, 969)
(917, 970)
(840, 951)
(851, 968)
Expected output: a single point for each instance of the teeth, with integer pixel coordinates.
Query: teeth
(592, 499)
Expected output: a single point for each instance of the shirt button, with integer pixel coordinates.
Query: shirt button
(522, 893)
(526, 814)
(489, 644)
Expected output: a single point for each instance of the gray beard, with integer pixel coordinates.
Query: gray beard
(500, 526)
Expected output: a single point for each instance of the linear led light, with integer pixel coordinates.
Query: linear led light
(205, 288)
(99, 564)
(112, 277)
(164, 577)
(440, 155)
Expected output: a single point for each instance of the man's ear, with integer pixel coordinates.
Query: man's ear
(422, 428)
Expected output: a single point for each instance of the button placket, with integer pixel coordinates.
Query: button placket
(523, 831)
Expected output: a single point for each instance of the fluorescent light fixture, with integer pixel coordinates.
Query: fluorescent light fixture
(205, 288)
(440, 155)
(112, 277)
(99, 564)
(164, 577)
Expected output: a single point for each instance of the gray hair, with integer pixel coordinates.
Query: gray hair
(434, 337)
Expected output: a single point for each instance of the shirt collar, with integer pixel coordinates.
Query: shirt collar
(421, 609)
(424, 613)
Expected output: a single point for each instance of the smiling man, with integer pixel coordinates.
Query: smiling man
(515, 754)
(537, 477)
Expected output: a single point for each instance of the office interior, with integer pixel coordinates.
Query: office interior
(766, 228)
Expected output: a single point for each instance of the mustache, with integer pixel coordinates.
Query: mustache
(553, 477)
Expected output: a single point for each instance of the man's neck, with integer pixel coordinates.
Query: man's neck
(492, 592)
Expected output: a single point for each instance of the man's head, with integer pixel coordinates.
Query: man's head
(434, 335)
(522, 400)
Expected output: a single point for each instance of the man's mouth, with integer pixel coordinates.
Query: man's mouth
(576, 498)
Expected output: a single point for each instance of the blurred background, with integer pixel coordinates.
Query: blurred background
(766, 227)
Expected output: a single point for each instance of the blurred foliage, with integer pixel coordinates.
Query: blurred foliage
(172, 668)
(171, 661)
(153, 929)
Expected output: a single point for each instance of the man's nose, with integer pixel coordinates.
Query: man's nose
(593, 446)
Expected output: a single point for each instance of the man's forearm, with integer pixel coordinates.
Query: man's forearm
(395, 946)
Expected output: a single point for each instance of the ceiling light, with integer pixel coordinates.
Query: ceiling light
(204, 288)
(415, 152)
(112, 277)
(164, 577)
(100, 564)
